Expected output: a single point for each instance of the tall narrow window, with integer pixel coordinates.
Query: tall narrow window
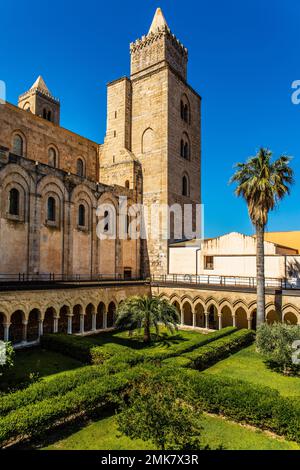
(49, 116)
(106, 217)
(51, 210)
(81, 215)
(45, 113)
(52, 159)
(80, 167)
(18, 146)
(14, 201)
(185, 186)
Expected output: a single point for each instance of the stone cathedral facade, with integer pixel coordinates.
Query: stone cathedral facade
(52, 180)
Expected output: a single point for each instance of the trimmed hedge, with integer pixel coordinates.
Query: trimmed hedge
(88, 351)
(93, 396)
(55, 386)
(206, 356)
(244, 402)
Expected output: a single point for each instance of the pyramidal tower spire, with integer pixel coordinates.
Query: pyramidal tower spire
(159, 22)
(158, 48)
(40, 101)
(40, 85)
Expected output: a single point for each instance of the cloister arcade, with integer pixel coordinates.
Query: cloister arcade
(23, 326)
(214, 314)
(25, 318)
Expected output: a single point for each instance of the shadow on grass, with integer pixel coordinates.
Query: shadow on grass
(134, 341)
(289, 372)
(64, 431)
(33, 364)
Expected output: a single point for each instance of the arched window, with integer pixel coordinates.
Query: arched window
(26, 107)
(18, 145)
(185, 149)
(14, 201)
(186, 153)
(81, 215)
(185, 186)
(107, 218)
(80, 167)
(49, 115)
(45, 113)
(182, 148)
(127, 184)
(52, 158)
(185, 110)
(51, 209)
(182, 109)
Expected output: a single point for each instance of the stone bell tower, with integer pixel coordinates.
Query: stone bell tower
(38, 100)
(154, 119)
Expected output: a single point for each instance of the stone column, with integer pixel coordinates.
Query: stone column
(181, 316)
(69, 324)
(194, 319)
(220, 321)
(41, 329)
(24, 333)
(206, 320)
(81, 324)
(55, 325)
(233, 320)
(94, 322)
(104, 320)
(6, 331)
(249, 323)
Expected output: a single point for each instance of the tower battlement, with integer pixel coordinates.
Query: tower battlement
(159, 47)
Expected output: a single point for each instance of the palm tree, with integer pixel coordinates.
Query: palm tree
(137, 313)
(262, 183)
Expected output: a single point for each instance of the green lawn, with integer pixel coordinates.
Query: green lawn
(35, 361)
(248, 365)
(165, 339)
(103, 435)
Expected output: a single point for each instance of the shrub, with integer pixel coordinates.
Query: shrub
(244, 402)
(162, 412)
(8, 352)
(275, 343)
(92, 396)
(208, 355)
(88, 351)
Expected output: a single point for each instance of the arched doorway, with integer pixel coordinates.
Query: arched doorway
(253, 320)
(187, 314)
(177, 306)
(89, 312)
(48, 323)
(273, 317)
(241, 320)
(227, 319)
(16, 327)
(290, 318)
(63, 319)
(33, 325)
(77, 312)
(200, 316)
(100, 316)
(111, 315)
(212, 318)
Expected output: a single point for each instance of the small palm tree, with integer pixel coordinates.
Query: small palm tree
(262, 183)
(137, 313)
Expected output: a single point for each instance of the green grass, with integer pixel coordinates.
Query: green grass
(103, 435)
(165, 339)
(250, 366)
(35, 361)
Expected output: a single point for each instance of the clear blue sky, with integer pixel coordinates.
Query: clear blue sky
(243, 57)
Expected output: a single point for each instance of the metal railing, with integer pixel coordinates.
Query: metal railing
(53, 277)
(225, 281)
